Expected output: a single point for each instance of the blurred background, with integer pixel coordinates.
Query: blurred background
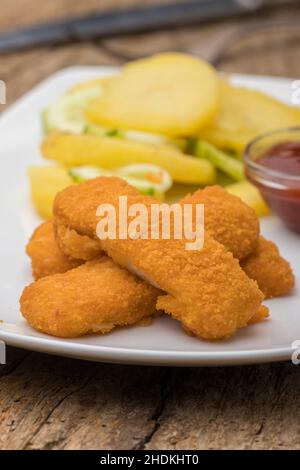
(253, 36)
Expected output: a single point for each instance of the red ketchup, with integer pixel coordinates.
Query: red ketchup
(283, 193)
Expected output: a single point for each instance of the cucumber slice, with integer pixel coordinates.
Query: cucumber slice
(45, 120)
(135, 136)
(84, 173)
(103, 132)
(229, 165)
(67, 113)
(148, 179)
(148, 175)
(145, 137)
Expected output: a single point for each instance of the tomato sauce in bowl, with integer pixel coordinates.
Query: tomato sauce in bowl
(273, 164)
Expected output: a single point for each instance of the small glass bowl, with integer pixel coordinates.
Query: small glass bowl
(280, 190)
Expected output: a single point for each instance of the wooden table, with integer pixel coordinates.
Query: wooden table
(49, 402)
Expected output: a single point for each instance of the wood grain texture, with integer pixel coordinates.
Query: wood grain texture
(56, 403)
(48, 402)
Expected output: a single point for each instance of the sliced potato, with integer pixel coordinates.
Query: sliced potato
(244, 114)
(108, 152)
(171, 94)
(102, 81)
(45, 182)
(250, 195)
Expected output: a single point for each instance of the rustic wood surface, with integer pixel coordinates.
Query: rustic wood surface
(48, 402)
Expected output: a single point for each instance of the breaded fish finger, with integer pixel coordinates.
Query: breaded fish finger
(261, 314)
(273, 282)
(207, 290)
(74, 245)
(46, 257)
(273, 273)
(210, 296)
(229, 220)
(93, 298)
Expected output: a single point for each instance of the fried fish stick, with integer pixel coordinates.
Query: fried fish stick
(229, 220)
(264, 265)
(212, 297)
(92, 298)
(261, 314)
(74, 245)
(207, 290)
(273, 273)
(46, 257)
(233, 224)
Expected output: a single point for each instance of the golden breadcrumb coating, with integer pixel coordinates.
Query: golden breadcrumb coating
(46, 257)
(273, 273)
(77, 209)
(228, 219)
(261, 314)
(210, 296)
(74, 245)
(207, 290)
(93, 298)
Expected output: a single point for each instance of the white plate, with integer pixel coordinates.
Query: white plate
(163, 342)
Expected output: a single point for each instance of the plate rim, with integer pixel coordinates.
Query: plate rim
(57, 346)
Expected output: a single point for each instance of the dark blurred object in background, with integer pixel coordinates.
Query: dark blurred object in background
(134, 20)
